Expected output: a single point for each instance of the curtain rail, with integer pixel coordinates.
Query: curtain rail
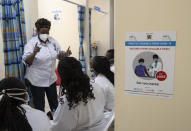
(83, 6)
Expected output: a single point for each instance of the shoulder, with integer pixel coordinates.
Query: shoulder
(102, 81)
(32, 41)
(160, 63)
(137, 66)
(35, 115)
(51, 39)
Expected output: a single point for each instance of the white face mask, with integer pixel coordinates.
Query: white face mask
(43, 37)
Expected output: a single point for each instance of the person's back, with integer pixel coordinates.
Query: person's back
(105, 79)
(83, 116)
(37, 119)
(82, 105)
(92, 115)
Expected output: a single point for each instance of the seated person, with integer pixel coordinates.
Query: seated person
(140, 70)
(81, 107)
(104, 78)
(15, 115)
(110, 56)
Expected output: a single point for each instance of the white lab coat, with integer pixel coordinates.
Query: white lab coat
(42, 71)
(108, 89)
(154, 68)
(112, 68)
(82, 117)
(37, 119)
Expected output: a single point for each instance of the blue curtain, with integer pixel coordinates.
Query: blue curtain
(81, 16)
(14, 37)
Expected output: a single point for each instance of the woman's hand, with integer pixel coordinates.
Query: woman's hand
(68, 52)
(65, 54)
(36, 49)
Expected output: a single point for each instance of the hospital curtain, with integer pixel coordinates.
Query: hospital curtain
(14, 37)
(81, 16)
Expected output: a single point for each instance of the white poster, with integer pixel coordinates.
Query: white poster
(56, 16)
(150, 63)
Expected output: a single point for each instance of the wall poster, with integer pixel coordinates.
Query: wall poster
(150, 63)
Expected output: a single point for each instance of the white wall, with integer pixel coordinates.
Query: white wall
(31, 15)
(66, 33)
(101, 25)
(138, 113)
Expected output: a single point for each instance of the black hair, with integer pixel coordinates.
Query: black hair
(12, 114)
(141, 60)
(101, 65)
(110, 54)
(76, 84)
(42, 23)
(155, 56)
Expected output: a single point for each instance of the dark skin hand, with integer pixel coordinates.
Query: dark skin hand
(66, 54)
(31, 57)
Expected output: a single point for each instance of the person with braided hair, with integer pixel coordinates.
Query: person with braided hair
(100, 65)
(81, 107)
(15, 115)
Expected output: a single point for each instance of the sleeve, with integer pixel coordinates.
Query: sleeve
(28, 50)
(64, 119)
(45, 123)
(110, 98)
(57, 46)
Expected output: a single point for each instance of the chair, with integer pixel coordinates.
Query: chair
(109, 118)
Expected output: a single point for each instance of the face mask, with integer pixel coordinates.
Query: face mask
(92, 74)
(155, 60)
(141, 63)
(43, 37)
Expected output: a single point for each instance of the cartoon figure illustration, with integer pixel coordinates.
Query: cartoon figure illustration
(155, 66)
(140, 70)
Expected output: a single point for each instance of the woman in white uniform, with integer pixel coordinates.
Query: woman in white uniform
(40, 56)
(110, 56)
(15, 115)
(104, 78)
(81, 107)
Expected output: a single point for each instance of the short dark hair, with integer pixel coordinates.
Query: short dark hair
(155, 56)
(141, 60)
(42, 23)
(110, 54)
